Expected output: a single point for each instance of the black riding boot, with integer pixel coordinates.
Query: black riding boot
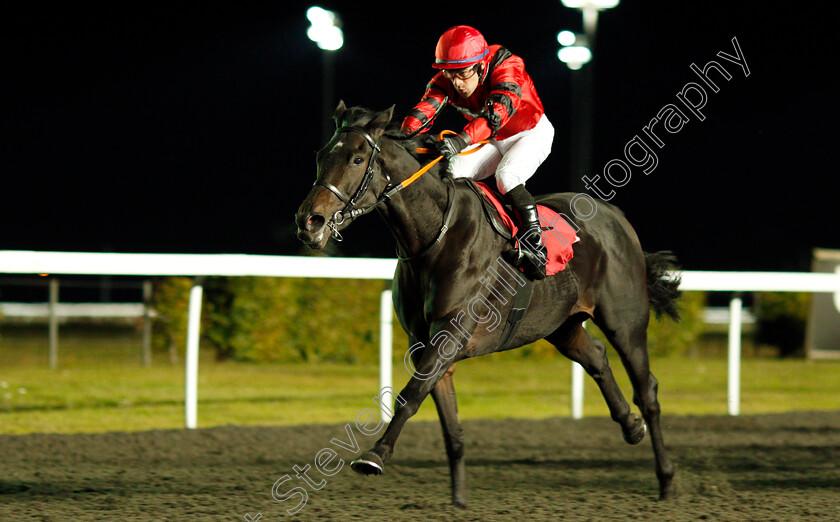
(531, 255)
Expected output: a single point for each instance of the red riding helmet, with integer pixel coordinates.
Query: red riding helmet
(460, 47)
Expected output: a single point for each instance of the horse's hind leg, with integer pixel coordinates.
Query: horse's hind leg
(453, 436)
(574, 342)
(630, 341)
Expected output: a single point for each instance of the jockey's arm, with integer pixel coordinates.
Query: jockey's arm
(505, 97)
(436, 93)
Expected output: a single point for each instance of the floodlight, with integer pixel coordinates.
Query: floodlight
(566, 38)
(325, 29)
(590, 4)
(574, 56)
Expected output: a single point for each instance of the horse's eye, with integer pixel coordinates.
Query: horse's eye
(358, 161)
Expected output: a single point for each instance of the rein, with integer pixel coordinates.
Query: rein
(390, 190)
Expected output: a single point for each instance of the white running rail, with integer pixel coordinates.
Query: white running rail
(201, 265)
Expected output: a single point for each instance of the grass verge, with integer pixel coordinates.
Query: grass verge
(102, 387)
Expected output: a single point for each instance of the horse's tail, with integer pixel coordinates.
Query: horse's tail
(663, 285)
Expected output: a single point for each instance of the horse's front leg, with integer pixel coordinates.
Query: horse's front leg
(431, 365)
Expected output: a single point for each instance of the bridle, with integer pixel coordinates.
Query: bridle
(349, 210)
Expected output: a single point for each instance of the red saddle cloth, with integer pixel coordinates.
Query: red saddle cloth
(558, 239)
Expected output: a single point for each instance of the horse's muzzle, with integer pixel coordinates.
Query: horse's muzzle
(312, 230)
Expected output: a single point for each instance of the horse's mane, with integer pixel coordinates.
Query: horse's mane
(420, 141)
(361, 116)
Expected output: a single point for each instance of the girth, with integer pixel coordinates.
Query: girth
(520, 304)
(522, 298)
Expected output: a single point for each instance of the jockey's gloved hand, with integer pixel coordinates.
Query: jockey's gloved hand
(450, 145)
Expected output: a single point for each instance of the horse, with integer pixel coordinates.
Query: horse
(447, 253)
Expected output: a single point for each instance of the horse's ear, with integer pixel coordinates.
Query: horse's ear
(381, 121)
(338, 115)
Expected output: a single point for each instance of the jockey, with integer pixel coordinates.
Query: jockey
(489, 86)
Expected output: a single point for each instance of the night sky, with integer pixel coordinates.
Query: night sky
(192, 127)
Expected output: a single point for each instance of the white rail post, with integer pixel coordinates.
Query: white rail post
(147, 323)
(734, 395)
(837, 292)
(193, 331)
(53, 311)
(577, 389)
(386, 337)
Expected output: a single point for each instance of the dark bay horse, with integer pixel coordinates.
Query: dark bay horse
(452, 292)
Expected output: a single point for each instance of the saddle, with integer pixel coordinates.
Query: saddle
(559, 247)
(491, 211)
(558, 235)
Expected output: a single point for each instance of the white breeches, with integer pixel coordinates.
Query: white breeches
(513, 160)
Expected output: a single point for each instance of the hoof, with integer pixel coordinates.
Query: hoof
(460, 504)
(636, 435)
(368, 464)
(668, 493)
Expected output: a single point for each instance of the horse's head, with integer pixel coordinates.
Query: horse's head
(347, 175)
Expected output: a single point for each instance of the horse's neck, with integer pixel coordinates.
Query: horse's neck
(415, 214)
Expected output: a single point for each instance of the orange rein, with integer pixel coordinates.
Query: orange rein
(423, 150)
